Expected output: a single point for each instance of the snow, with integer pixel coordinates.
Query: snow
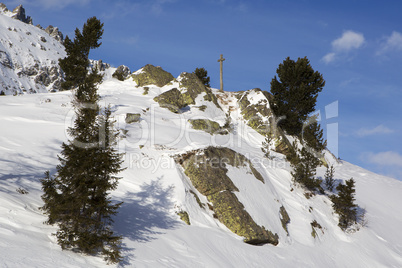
(25, 46)
(154, 188)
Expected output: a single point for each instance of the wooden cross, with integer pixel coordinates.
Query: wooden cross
(221, 70)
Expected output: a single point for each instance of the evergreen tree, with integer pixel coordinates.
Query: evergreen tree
(202, 74)
(304, 170)
(76, 198)
(344, 205)
(312, 135)
(266, 144)
(295, 93)
(329, 178)
(75, 64)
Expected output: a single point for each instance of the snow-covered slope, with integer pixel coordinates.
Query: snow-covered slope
(154, 188)
(28, 57)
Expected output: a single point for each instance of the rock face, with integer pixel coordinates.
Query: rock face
(209, 126)
(19, 14)
(172, 100)
(151, 75)
(28, 55)
(208, 173)
(132, 118)
(192, 86)
(259, 116)
(122, 72)
(55, 33)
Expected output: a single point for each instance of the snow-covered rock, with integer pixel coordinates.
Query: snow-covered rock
(28, 55)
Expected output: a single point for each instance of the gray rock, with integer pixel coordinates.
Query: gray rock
(19, 14)
(132, 118)
(55, 33)
(5, 60)
(122, 72)
(3, 7)
(43, 78)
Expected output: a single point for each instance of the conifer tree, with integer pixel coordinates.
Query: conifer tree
(344, 205)
(266, 144)
(329, 178)
(304, 170)
(75, 64)
(312, 135)
(77, 197)
(295, 92)
(202, 74)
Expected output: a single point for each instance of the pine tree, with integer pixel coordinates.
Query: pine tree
(75, 64)
(329, 178)
(304, 170)
(295, 93)
(312, 135)
(77, 197)
(266, 144)
(344, 205)
(202, 74)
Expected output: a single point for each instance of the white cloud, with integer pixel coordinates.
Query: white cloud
(348, 41)
(389, 158)
(391, 43)
(330, 57)
(380, 129)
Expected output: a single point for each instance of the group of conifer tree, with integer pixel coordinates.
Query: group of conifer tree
(295, 90)
(77, 197)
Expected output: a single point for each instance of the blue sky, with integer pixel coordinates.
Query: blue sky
(355, 45)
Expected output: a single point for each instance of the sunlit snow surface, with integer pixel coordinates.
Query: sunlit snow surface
(153, 189)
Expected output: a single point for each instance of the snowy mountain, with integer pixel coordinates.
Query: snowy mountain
(170, 129)
(28, 54)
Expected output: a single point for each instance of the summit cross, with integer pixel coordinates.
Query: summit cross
(221, 59)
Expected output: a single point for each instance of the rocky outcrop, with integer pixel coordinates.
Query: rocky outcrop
(151, 75)
(208, 173)
(132, 118)
(260, 117)
(3, 8)
(171, 100)
(209, 126)
(55, 33)
(5, 60)
(122, 72)
(19, 14)
(192, 86)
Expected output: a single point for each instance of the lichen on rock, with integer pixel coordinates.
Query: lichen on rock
(152, 75)
(256, 115)
(208, 126)
(208, 173)
(132, 118)
(184, 216)
(193, 86)
(172, 100)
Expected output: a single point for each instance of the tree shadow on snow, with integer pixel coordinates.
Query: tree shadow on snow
(145, 214)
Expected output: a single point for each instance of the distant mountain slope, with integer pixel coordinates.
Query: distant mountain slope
(28, 55)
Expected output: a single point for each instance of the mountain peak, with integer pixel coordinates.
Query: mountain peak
(18, 13)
